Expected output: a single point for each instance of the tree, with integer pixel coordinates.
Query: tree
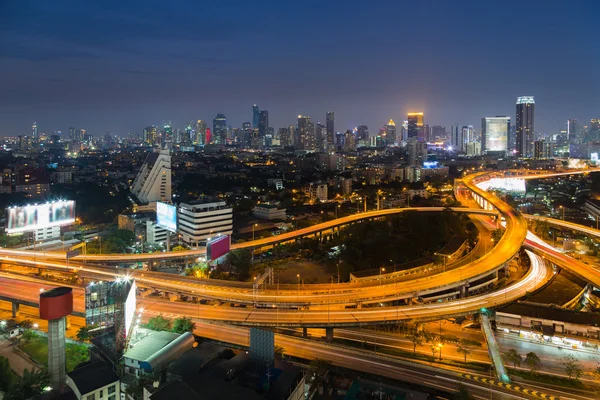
(30, 384)
(159, 323)
(513, 357)
(532, 361)
(279, 352)
(466, 346)
(178, 248)
(83, 334)
(6, 375)
(572, 366)
(26, 324)
(183, 325)
(319, 368)
(416, 338)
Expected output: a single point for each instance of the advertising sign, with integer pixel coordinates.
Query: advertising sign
(130, 305)
(166, 216)
(217, 247)
(30, 218)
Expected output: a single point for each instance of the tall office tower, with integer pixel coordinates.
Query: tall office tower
(542, 149)
(167, 134)
(415, 125)
(153, 182)
(285, 138)
(200, 133)
(34, 131)
(208, 137)
(330, 125)
(72, 134)
(219, 129)
(305, 133)
(362, 134)
(263, 123)
(80, 134)
(247, 132)
(494, 134)
(188, 135)
(417, 152)
(468, 134)
(456, 139)
(321, 137)
(151, 135)
(592, 134)
(572, 127)
(349, 141)
(390, 133)
(255, 116)
(525, 126)
(427, 133)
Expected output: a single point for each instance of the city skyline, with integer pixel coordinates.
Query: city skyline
(66, 70)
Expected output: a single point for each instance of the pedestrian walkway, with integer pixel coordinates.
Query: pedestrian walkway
(486, 328)
(18, 363)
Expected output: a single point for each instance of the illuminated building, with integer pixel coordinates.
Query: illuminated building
(305, 134)
(247, 133)
(219, 129)
(34, 132)
(151, 136)
(417, 152)
(255, 116)
(390, 133)
(200, 220)
(543, 149)
(153, 182)
(494, 134)
(525, 126)
(415, 126)
(456, 139)
(263, 123)
(200, 132)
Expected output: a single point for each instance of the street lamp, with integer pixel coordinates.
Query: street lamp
(141, 237)
(440, 345)
(253, 226)
(298, 278)
(563, 212)
(100, 239)
(381, 270)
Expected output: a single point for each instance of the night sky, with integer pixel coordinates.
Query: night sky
(122, 65)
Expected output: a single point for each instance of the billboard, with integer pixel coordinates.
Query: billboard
(130, 306)
(30, 218)
(217, 247)
(166, 216)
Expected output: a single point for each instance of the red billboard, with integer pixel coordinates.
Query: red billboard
(217, 247)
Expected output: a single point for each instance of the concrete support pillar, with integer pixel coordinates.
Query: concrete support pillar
(166, 295)
(15, 310)
(329, 335)
(150, 265)
(463, 291)
(409, 301)
(56, 353)
(304, 332)
(419, 327)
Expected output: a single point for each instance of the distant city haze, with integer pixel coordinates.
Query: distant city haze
(124, 66)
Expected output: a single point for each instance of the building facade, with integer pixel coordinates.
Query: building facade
(525, 126)
(153, 182)
(494, 134)
(198, 221)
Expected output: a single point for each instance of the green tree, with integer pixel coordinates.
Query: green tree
(183, 325)
(6, 375)
(159, 323)
(26, 324)
(513, 357)
(30, 384)
(241, 260)
(532, 361)
(178, 248)
(466, 347)
(83, 334)
(416, 338)
(572, 366)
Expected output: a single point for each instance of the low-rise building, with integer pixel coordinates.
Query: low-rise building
(269, 211)
(154, 353)
(94, 381)
(316, 191)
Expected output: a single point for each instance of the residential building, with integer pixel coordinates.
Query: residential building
(316, 192)
(525, 126)
(417, 152)
(330, 130)
(219, 129)
(269, 211)
(390, 133)
(94, 381)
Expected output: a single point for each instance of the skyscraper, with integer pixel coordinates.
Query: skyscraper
(415, 125)
(417, 152)
(151, 135)
(362, 134)
(255, 116)
(200, 132)
(456, 138)
(525, 126)
(247, 128)
(321, 136)
(390, 133)
(219, 129)
(263, 123)
(285, 138)
(330, 125)
(494, 134)
(153, 182)
(305, 134)
(34, 131)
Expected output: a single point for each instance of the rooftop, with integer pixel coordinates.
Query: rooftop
(93, 376)
(553, 313)
(148, 346)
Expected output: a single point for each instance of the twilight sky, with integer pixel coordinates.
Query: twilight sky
(122, 65)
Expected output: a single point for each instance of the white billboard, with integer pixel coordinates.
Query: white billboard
(130, 306)
(166, 216)
(30, 218)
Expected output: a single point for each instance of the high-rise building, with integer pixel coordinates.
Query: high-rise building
(305, 134)
(362, 133)
(330, 125)
(263, 123)
(572, 128)
(426, 133)
(525, 126)
(201, 220)
(321, 136)
(417, 152)
(390, 133)
(255, 116)
(543, 149)
(438, 133)
(468, 134)
(415, 125)
(34, 132)
(494, 134)
(285, 139)
(349, 141)
(456, 139)
(167, 134)
(219, 129)
(153, 182)
(151, 135)
(247, 132)
(200, 132)
(72, 134)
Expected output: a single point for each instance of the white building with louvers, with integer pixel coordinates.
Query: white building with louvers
(198, 221)
(153, 182)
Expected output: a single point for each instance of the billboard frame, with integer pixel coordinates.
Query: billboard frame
(39, 216)
(169, 227)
